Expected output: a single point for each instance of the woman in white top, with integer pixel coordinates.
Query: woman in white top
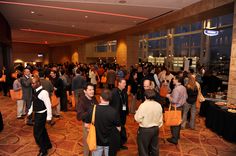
(20, 103)
(94, 78)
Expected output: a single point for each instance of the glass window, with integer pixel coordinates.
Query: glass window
(101, 48)
(153, 44)
(226, 19)
(195, 40)
(196, 26)
(153, 35)
(182, 29)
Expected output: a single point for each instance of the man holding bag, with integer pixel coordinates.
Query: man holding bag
(86, 102)
(177, 99)
(107, 126)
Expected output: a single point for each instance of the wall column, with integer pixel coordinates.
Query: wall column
(232, 70)
(127, 50)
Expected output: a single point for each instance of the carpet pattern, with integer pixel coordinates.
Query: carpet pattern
(66, 135)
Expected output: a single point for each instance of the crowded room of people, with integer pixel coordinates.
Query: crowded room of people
(117, 78)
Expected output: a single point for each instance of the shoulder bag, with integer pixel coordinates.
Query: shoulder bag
(172, 117)
(91, 138)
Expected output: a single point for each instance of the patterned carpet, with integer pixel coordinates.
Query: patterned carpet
(66, 135)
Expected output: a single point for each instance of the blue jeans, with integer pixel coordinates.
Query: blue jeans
(188, 106)
(99, 151)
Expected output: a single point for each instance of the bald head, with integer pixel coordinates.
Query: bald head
(147, 84)
(35, 82)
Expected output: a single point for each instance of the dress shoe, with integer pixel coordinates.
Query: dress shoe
(42, 154)
(170, 140)
(51, 122)
(56, 116)
(20, 117)
(123, 147)
(29, 123)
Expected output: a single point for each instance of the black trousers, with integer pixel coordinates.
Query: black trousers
(147, 139)
(175, 130)
(123, 134)
(4, 88)
(40, 133)
(63, 100)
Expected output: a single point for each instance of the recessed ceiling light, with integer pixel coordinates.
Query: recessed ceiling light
(122, 1)
(32, 12)
(86, 16)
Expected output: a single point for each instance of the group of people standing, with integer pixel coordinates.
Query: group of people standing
(154, 87)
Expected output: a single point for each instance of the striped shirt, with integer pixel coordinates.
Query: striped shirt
(179, 95)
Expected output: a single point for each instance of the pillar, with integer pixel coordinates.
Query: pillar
(127, 51)
(232, 71)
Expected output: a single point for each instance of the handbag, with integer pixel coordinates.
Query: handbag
(172, 117)
(16, 95)
(3, 78)
(200, 96)
(54, 100)
(91, 138)
(103, 79)
(163, 91)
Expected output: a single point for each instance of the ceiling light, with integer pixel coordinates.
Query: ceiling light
(54, 33)
(86, 16)
(73, 26)
(75, 9)
(32, 12)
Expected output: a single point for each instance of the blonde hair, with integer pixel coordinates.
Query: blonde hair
(191, 82)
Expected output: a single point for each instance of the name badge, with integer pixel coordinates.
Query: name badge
(124, 108)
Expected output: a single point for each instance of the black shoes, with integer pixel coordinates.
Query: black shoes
(56, 116)
(123, 147)
(42, 154)
(51, 122)
(20, 117)
(29, 123)
(170, 140)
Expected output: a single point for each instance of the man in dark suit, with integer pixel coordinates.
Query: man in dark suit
(27, 92)
(119, 101)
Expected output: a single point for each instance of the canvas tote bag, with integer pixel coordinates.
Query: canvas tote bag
(91, 139)
(16, 95)
(104, 79)
(3, 78)
(54, 100)
(173, 117)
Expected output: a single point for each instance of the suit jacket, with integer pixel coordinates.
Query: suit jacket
(47, 85)
(26, 88)
(117, 102)
(58, 83)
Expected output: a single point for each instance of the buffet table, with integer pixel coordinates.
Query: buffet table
(219, 120)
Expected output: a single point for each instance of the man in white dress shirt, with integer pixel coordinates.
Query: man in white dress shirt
(149, 117)
(41, 106)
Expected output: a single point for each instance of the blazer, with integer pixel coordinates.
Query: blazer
(26, 88)
(116, 101)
